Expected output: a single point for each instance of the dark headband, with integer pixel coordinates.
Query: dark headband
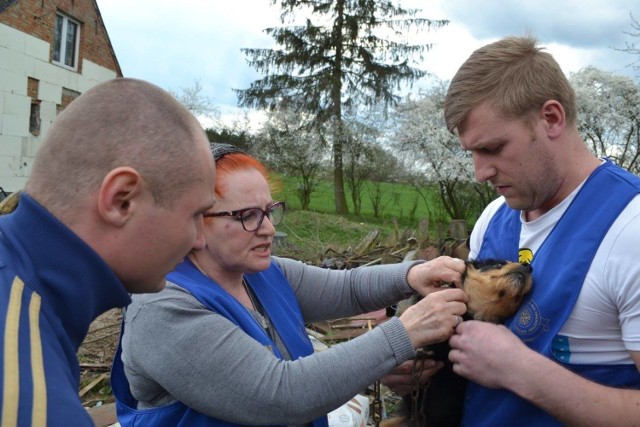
(220, 150)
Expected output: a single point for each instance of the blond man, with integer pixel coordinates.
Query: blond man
(571, 355)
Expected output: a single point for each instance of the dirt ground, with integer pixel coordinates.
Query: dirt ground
(95, 356)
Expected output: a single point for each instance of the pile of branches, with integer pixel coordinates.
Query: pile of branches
(402, 246)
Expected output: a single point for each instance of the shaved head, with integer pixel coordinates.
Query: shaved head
(122, 122)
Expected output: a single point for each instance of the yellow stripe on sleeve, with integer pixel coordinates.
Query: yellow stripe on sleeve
(39, 417)
(11, 385)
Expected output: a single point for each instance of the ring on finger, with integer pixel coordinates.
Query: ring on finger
(458, 320)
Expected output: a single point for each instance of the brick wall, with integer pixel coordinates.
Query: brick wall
(37, 18)
(33, 90)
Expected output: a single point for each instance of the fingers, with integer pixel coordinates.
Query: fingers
(453, 298)
(453, 263)
(434, 318)
(456, 267)
(427, 277)
(399, 380)
(448, 301)
(454, 294)
(401, 374)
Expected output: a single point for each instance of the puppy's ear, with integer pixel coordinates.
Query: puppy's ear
(469, 268)
(472, 266)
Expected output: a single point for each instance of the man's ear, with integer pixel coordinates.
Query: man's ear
(119, 194)
(554, 118)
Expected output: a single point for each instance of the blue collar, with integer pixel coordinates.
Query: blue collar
(75, 284)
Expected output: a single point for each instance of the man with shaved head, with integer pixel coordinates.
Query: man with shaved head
(114, 202)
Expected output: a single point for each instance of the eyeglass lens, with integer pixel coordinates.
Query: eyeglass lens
(252, 218)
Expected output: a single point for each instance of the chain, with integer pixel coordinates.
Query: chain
(417, 417)
(376, 405)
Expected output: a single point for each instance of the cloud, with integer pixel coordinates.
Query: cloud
(173, 45)
(578, 23)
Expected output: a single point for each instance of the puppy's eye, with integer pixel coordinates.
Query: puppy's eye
(502, 293)
(492, 266)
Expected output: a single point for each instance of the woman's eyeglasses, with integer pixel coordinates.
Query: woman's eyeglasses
(251, 218)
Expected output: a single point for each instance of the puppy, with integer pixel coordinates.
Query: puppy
(495, 290)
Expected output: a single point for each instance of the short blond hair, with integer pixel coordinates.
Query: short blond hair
(513, 74)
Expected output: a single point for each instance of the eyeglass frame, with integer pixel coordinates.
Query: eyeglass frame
(237, 214)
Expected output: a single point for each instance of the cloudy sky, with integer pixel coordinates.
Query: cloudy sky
(173, 44)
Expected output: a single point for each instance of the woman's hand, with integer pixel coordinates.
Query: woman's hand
(428, 277)
(400, 379)
(434, 318)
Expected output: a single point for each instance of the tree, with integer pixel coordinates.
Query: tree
(631, 47)
(347, 55)
(237, 132)
(609, 115)
(358, 164)
(435, 155)
(200, 105)
(291, 143)
(364, 158)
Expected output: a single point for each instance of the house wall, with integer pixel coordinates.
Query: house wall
(27, 76)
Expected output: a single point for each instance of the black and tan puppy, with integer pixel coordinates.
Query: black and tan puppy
(495, 290)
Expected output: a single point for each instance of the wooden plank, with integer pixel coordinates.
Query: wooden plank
(350, 327)
(93, 383)
(345, 334)
(104, 415)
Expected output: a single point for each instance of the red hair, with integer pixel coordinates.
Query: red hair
(234, 162)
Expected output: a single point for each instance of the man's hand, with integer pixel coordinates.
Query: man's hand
(483, 352)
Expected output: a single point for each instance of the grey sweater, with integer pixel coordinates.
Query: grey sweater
(176, 349)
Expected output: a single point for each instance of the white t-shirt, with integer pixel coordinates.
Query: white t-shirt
(605, 322)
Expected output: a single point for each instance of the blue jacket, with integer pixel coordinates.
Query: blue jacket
(52, 286)
(275, 295)
(559, 268)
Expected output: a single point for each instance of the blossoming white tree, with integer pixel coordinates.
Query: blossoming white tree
(609, 115)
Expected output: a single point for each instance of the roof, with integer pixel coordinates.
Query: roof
(113, 52)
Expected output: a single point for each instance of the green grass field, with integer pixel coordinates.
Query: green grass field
(399, 201)
(313, 233)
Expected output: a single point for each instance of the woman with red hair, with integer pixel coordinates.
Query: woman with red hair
(225, 343)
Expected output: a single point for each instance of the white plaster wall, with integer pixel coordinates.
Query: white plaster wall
(23, 56)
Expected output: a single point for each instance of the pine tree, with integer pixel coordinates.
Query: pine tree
(353, 55)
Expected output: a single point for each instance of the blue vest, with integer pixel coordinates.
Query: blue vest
(559, 268)
(278, 300)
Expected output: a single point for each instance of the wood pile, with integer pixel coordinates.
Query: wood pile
(402, 245)
(373, 249)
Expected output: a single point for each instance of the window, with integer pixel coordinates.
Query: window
(68, 96)
(32, 92)
(65, 42)
(34, 119)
